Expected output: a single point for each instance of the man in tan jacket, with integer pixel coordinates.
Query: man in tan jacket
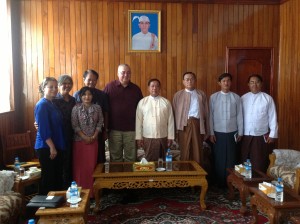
(191, 118)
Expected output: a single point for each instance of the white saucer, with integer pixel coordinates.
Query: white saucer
(160, 169)
(24, 177)
(271, 195)
(78, 200)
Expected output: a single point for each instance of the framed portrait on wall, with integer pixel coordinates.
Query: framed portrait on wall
(144, 27)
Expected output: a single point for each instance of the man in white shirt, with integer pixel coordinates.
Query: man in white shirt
(154, 123)
(144, 40)
(192, 119)
(260, 125)
(226, 123)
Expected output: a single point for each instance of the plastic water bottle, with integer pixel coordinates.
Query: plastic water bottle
(31, 221)
(74, 193)
(17, 165)
(248, 168)
(168, 160)
(279, 190)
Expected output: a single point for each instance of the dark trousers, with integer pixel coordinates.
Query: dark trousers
(52, 171)
(255, 149)
(101, 148)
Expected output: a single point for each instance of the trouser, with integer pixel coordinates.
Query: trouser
(52, 171)
(155, 148)
(255, 149)
(190, 141)
(119, 141)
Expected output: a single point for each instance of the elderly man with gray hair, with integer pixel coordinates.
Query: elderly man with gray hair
(144, 40)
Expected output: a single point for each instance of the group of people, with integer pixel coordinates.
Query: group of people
(71, 131)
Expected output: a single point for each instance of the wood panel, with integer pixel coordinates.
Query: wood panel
(288, 80)
(70, 36)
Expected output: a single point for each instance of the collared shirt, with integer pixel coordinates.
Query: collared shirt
(226, 114)
(86, 120)
(123, 102)
(259, 114)
(194, 105)
(154, 118)
(141, 41)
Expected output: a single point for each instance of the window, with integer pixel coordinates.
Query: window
(6, 71)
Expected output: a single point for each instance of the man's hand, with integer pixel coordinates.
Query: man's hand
(140, 143)
(53, 153)
(213, 139)
(270, 140)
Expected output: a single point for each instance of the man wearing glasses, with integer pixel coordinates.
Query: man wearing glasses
(192, 119)
(124, 97)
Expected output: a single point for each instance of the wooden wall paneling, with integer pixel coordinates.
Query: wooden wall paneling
(73, 50)
(122, 26)
(62, 28)
(56, 41)
(67, 37)
(84, 34)
(34, 55)
(79, 49)
(168, 49)
(45, 40)
(255, 25)
(111, 40)
(116, 36)
(28, 55)
(51, 39)
(39, 41)
(100, 40)
(173, 46)
(181, 48)
(89, 37)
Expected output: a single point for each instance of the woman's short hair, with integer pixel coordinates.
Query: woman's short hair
(44, 84)
(153, 80)
(63, 78)
(83, 90)
(90, 71)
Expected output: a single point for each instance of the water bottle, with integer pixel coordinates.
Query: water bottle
(17, 165)
(73, 193)
(279, 190)
(106, 167)
(31, 221)
(168, 160)
(248, 167)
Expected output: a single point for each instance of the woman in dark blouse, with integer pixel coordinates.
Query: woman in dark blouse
(65, 102)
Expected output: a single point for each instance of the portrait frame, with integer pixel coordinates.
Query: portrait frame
(143, 37)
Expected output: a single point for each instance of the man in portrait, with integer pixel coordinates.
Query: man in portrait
(144, 40)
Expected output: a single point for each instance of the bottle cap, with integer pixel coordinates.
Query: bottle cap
(279, 179)
(31, 221)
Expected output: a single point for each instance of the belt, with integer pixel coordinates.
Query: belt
(193, 118)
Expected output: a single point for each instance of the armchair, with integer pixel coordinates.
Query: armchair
(285, 163)
(10, 201)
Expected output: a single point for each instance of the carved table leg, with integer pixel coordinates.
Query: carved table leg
(230, 187)
(202, 195)
(254, 209)
(243, 195)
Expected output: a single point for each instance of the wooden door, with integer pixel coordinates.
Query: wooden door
(241, 62)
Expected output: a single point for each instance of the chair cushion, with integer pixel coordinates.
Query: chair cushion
(10, 207)
(287, 174)
(287, 157)
(6, 181)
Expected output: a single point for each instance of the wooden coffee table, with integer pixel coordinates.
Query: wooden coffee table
(235, 179)
(277, 211)
(121, 175)
(64, 213)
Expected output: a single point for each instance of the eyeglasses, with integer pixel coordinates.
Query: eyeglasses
(189, 80)
(124, 72)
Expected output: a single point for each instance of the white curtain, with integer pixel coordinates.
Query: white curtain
(6, 72)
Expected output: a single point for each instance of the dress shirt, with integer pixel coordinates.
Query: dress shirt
(194, 106)
(259, 114)
(226, 113)
(154, 118)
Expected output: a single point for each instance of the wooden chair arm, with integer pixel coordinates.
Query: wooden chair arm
(297, 181)
(272, 158)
